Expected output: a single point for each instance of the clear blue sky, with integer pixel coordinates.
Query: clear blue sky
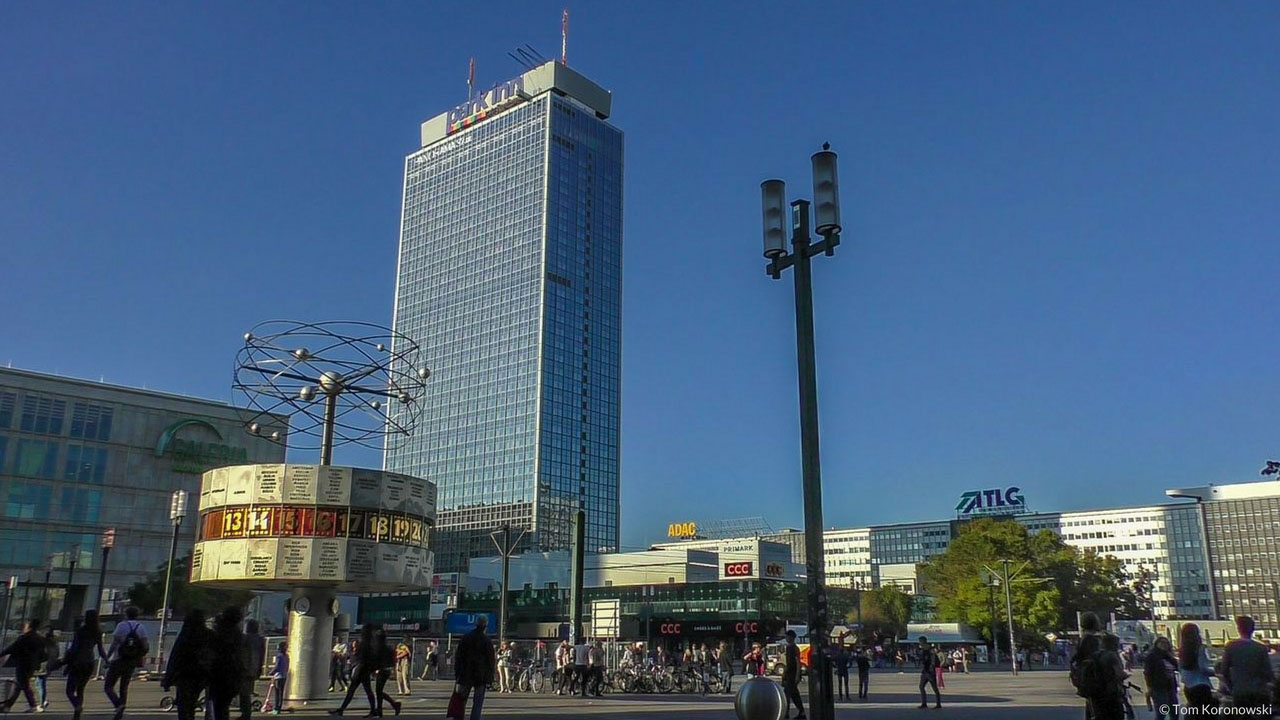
(1058, 271)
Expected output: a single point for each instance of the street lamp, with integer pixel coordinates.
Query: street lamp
(66, 595)
(44, 591)
(108, 542)
(826, 211)
(177, 511)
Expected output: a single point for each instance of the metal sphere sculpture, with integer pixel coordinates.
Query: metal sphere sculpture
(342, 382)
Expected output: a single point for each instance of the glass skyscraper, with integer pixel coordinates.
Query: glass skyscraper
(510, 279)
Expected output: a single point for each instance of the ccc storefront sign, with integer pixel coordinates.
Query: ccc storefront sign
(738, 569)
(669, 629)
(747, 627)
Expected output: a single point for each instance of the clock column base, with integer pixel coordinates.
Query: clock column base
(311, 621)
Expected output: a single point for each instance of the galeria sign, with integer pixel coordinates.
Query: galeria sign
(995, 500)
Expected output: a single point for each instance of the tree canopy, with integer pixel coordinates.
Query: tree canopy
(148, 595)
(1052, 581)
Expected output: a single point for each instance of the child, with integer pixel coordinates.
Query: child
(279, 672)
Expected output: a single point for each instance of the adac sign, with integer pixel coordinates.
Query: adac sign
(192, 455)
(993, 501)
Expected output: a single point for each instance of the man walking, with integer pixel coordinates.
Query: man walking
(791, 677)
(928, 673)
(253, 652)
(474, 665)
(27, 652)
(595, 659)
(1246, 669)
(129, 647)
(864, 673)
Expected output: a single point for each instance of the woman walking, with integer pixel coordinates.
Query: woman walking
(364, 664)
(190, 662)
(386, 660)
(80, 659)
(1193, 660)
(1160, 671)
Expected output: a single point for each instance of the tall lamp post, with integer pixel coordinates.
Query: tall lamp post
(108, 542)
(826, 201)
(44, 591)
(65, 615)
(177, 511)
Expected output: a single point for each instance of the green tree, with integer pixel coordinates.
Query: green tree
(148, 595)
(1053, 581)
(885, 612)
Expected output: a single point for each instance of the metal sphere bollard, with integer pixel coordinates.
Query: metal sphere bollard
(759, 699)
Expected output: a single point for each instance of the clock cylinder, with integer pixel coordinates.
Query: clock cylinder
(310, 643)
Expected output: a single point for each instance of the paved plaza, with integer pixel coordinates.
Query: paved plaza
(1038, 695)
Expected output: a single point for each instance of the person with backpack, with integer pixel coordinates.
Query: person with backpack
(78, 664)
(1098, 672)
(474, 667)
(253, 652)
(129, 648)
(27, 652)
(1247, 669)
(928, 673)
(1160, 670)
(190, 664)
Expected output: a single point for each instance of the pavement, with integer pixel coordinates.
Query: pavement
(1033, 695)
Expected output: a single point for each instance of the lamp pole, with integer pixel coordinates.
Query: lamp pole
(177, 511)
(827, 215)
(108, 542)
(8, 607)
(65, 615)
(44, 591)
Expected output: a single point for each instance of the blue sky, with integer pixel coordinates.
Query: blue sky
(1058, 269)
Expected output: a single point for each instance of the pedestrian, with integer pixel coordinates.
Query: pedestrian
(129, 647)
(279, 676)
(363, 665)
(404, 666)
(349, 659)
(504, 668)
(26, 653)
(937, 665)
(79, 661)
(1097, 671)
(928, 673)
(1160, 670)
(474, 666)
(753, 661)
(864, 674)
(726, 667)
(595, 661)
(1246, 669)
(581, 657)
(791, 677)
(386, 662)
(336, 679)
(660, 657)
(841, 665)
(253, 651)
(227, 643)
(964, 659)
(564, 668)
(190, 664)
(1196, 670)
(50, 664)
(430, 669)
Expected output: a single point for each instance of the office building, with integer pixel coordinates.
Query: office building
(80, 457)
(509, 278)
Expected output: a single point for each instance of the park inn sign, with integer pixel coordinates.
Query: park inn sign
(995, 501)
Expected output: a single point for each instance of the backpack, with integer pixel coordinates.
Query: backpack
(1093, 676)
(133, 648)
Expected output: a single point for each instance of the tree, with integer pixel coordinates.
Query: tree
(148, 595)
(1054, 581)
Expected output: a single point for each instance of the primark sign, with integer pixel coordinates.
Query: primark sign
(995, 501)
(486, 103)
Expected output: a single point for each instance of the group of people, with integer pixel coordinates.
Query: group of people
(580, 669)
(372, 663)
(212, 667)
(1101, 674)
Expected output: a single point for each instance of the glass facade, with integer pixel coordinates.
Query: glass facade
(509, 278)
(78, 457)
(1242, 537)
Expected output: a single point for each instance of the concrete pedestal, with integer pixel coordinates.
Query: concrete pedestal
(310, 644)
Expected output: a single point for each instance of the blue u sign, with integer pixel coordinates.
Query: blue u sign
(460, 623)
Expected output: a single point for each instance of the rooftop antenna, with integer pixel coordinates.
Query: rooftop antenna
(564, 38)
(530, 58)
(535, 53)
(520, 60)
(471, 79)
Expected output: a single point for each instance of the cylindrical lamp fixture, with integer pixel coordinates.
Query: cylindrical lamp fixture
(178, 505)
(773, 198)
(826, 193)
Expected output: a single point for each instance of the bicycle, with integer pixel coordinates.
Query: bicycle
(530, 678)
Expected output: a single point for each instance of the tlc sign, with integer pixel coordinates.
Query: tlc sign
(485, 103)
(738, 569)
(981, 502)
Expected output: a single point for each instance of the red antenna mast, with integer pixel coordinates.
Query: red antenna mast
(471, 78)
(564, 37)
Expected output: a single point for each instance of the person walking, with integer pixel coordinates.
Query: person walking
(386, 662)
(938, 665)
(864, 674)
(190, 663)
(80, 659)
(1196, 669)
(1160, 670)
(964, 659)
(474, 667)
(253, 652)
(595, 671)
(363, 665)
(726, 667)
(279, 676)
(581, 658)
(26, 653)
(1097, 671)
(791, 677)
(404, 666)
(928, 673)
(1246, 669)
(48, 665)
(564, 668)
(840, 663)
(336, 660)
(227, 644)
(430, 669)
(129, 647)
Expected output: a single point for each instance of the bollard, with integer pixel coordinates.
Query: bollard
(759, 698)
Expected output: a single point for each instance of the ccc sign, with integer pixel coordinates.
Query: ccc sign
(747, 627)
(669, 629)
(738, 569)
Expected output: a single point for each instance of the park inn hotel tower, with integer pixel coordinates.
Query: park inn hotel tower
(510, 279)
